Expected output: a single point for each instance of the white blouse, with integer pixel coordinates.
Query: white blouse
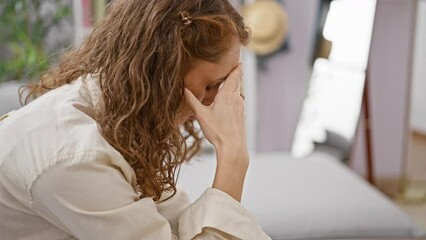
(60, 179)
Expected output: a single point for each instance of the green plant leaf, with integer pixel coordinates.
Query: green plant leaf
(23, 32)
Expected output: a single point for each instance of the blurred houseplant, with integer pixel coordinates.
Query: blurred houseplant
(24, 28)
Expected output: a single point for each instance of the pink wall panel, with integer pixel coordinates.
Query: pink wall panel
(389, 85)
(283, 85)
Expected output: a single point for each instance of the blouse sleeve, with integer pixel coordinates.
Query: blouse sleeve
(93, 200)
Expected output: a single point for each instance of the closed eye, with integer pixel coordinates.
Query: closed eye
(213, 86)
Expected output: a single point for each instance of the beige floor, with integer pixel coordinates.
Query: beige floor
(416, 169)
(417, 213)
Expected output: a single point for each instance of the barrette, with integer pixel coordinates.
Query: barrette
(186, 19)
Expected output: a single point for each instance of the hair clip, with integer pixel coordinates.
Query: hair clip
(186, 19)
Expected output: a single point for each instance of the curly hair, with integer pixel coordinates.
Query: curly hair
(140, 52)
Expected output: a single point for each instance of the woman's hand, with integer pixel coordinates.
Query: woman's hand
(223, 124)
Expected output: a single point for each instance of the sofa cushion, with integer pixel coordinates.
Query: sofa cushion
(312, 198)
(9, 97)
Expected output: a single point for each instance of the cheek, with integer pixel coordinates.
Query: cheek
(197, 90)
(186, 109)
(194, 82)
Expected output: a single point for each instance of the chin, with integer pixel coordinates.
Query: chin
(181, 121)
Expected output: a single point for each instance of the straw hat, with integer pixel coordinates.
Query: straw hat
(268, 22)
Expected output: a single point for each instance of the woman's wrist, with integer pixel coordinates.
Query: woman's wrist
(232, 165)
(232, 151)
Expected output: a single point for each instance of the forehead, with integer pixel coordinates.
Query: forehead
(219, 69)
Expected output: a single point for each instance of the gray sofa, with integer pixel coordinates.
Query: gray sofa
(316, 197)
(9, 99)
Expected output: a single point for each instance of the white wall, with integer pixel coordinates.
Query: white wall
(418, 98)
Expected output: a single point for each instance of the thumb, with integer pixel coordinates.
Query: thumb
(193, 102)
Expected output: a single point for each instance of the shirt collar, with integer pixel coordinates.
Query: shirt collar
(92, 92)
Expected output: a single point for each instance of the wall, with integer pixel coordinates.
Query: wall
(282, 88)
(418, 98)
(389, 85)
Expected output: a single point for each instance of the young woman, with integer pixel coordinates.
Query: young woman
(96, 154)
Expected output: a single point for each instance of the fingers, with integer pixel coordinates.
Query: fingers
(234, 80)
(193, 102)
